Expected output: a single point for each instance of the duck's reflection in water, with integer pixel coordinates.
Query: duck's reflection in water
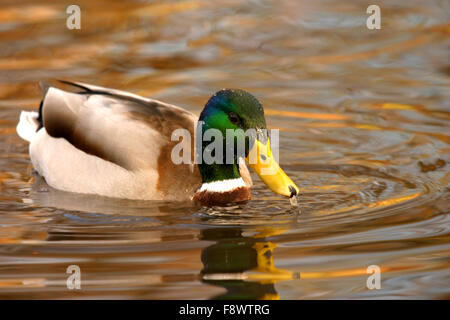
(240, 260)
(243, 265)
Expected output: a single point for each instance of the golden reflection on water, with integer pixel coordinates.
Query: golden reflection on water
(364, 119)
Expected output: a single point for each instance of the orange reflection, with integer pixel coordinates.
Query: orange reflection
(306, 115)
(392, 201)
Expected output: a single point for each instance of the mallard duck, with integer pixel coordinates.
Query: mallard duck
(112, 143)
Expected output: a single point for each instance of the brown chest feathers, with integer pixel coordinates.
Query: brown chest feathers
(211, 198)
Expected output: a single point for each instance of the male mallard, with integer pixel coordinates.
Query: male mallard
(117, 144)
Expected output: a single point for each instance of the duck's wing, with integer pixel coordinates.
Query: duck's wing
(117, 126)
(130, 131)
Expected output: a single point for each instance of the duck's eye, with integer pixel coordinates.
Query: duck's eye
(234, 118)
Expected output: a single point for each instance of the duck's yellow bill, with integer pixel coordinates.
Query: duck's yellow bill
(261, 160)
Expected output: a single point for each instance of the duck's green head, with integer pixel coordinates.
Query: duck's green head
(237, 112)
(233, 109)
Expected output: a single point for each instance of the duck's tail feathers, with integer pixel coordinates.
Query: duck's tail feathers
(28, 125)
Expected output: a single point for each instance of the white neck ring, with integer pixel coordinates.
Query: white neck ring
(223, 185)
